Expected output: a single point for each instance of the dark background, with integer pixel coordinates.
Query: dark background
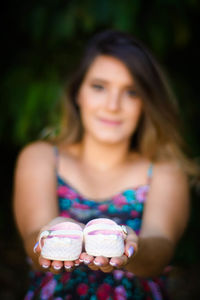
(41, 42)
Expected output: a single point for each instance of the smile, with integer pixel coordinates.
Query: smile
(110, 122)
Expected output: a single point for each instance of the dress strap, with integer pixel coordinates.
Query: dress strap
(150, 173)
(56, 154)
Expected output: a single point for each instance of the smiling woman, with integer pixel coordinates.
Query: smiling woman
(108, 110)
(119, 157)
(158, 130)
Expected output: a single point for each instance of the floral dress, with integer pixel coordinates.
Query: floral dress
(85, 284)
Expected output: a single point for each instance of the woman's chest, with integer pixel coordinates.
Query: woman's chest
(100, 185)
(125, 207)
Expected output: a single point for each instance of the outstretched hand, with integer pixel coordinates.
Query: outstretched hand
(55, 266)
(108, 264)
(94, 263)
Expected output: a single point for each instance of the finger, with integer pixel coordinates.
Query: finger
(45, 263)
(130, 248)
(119, 262)
(82, 256)
(101, 261)
(88, 259)
(36, 248)
(57, 265)
(69, 265)
(77, 262)
(131, 242)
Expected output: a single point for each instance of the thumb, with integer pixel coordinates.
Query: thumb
(131, 242)
(131, 248)
(36, 248)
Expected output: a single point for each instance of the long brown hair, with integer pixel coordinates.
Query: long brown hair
(158, 134)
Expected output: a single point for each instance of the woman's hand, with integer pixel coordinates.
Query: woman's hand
(108, 264)
(55, 266)
(95, 263)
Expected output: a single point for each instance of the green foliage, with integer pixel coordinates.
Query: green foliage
(49, 36)
(31, 103)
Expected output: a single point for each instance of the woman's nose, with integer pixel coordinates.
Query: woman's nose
(113, 101)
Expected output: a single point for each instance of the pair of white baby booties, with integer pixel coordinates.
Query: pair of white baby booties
(101, 237)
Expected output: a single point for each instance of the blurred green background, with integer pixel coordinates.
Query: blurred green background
(41, 42)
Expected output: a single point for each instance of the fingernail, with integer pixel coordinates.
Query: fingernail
(113, 264)
(97, 263)
(45, 266)
(130, 251)
(86, 261)
(34, 248)
(67, 267)
(57, 267)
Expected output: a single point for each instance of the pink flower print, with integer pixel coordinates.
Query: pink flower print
(146, 286)
(65, 214)
(71, 194)
(62, 191)
(46, 279)
(120, 290)
(119, 200)
(104, 292)
(155, 290)
(141, 193)
(79, 205)
(129, 275)
(65, 277)
(65, 192)
(82, 289)
(118, 274)
(48, 289)
(103, 207)
(134, 213)
(120, 293)
(91, 278)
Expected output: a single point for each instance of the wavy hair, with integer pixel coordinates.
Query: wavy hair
(158, 135)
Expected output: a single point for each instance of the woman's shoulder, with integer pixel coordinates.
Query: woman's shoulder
(45, 153)
(160, 171)
(35, 153)
(169, 173)
(37, 147)
(168, 166)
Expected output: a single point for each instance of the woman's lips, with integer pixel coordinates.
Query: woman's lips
(110, 122)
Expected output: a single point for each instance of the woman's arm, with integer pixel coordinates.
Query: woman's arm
(35, 202)
(165, 218)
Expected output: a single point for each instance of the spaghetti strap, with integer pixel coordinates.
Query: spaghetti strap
(56, 154)
(149, 173)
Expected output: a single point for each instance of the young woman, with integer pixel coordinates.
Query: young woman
(118, 157)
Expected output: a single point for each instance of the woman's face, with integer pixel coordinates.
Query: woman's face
(109, 106)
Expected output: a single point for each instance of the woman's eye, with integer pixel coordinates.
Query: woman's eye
(98, 87)
(131, 93)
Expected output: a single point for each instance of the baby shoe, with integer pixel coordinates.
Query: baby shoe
(103, 237)
(62, 242)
